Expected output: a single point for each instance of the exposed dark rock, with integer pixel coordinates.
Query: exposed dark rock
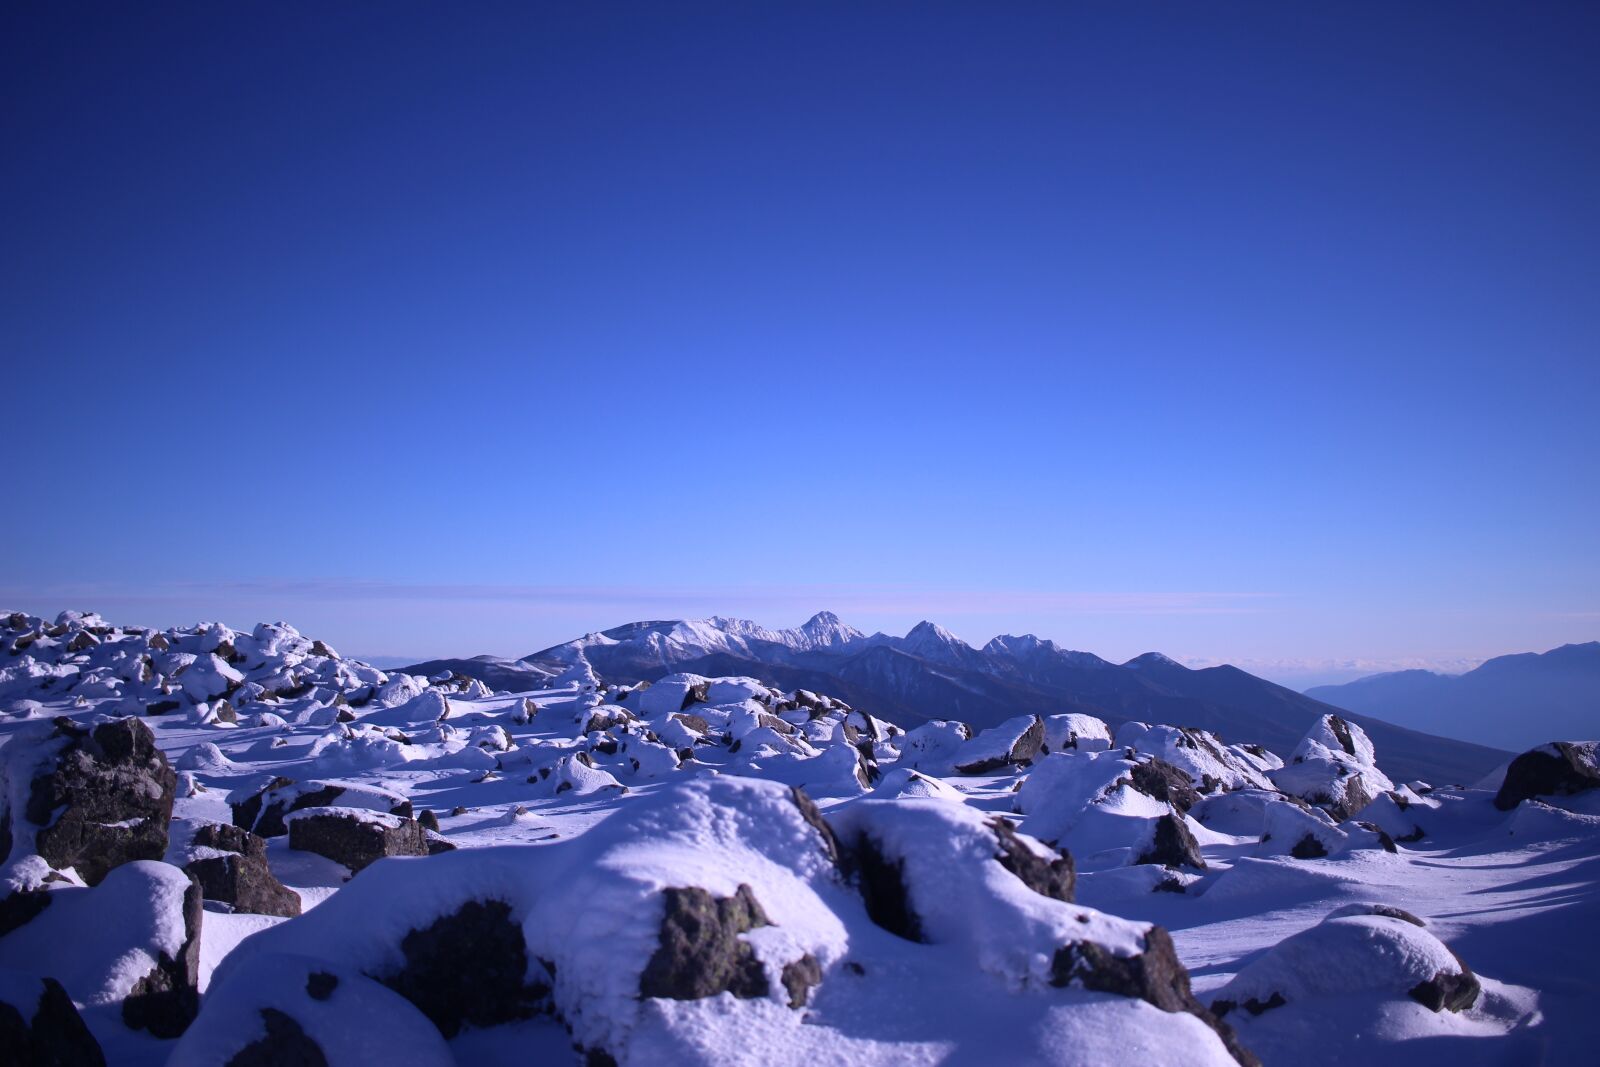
(20, 907)
(428, 820)
(1448, 992)
(883, 889)
(166, 1000)
(320, 985)
(1154, 976)
(800, 977)
(813, 815)
(284, 1045)
(1341, 733)
(1253, 1006)
(49, 1033)
(1022, 751)
(693, 722)
(106, 799)
(1055, 878)
(1385, 842)
(354, 839)
(696, 694)
(700, 953)
(265, 812)
(469, 968)
(1308, 848)
(242, 880)
(1558, 769)
(1160, 779)
(1172, 844)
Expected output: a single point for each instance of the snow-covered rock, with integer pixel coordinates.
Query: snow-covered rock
(1334, 767)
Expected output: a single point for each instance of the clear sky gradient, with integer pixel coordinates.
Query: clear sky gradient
(1263, 333)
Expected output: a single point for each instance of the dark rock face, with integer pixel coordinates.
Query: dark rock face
(468, 968)
(284, 1045)
(1448, 992)
(1172, 845)
(113, 790)
(1341, 733)
(1559, 769)
(800, 977)
(265, 812)
(243, 879)
(354, 841)
(1055, 878)
(1160, 779)
(1024, 750)
(700, 953)
(1253, 1006)
(1308, 848)
(1154, 976)
(19, 908)
(813, 815)
(48, 1034)
(883, 889)
(166, 1000)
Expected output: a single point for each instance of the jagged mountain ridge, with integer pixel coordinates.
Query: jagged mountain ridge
(932, 674)
(1552, 695)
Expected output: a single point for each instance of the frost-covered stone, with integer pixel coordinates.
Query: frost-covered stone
(263, 809)
(1209, 764)
(1561, 768)
(291, 1011)
(231, 867)
(133, 940)
(1084, 733)
(1353, 953)
(357, 838)
(85, 796)
(1334, 767)
(1014, 742)
(40, 1026)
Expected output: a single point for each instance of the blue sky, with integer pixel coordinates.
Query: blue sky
(1253, 333)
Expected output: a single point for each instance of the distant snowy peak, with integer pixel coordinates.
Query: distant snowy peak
(1029, 646)
(675, 640)
(932, 642)
(1155, 661)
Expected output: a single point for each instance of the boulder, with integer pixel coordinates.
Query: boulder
(135, 945)
(292, 1011)
(1157, 778)
(469, 968)
(1558, 769)
(100, 795)
(1154, 975)
(263, 810)
(40, 1026)
(1171, 844)
(700, 952)
(357, 838)
(230, 864)
(1380, 953)
(1012, 743)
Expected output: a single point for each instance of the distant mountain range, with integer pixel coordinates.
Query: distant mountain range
(1509, 702)
(931, 674)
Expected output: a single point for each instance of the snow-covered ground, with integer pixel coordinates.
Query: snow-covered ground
(626, 874)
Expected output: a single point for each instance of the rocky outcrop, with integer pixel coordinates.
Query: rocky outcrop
(100, 796)
(469, 968)
(40, 1026)
(1172, 844)
(1155, 976)
(1558, 769)
(700, 953)
(167, 999)
(231, 866)
(264, 811)
(1053, 877)
(358, 838)
(1157, 778)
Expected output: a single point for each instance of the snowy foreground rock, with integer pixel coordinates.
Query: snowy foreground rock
(227, 847)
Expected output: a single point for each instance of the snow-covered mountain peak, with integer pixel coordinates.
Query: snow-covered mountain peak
(1154, 661)
(827, 629)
